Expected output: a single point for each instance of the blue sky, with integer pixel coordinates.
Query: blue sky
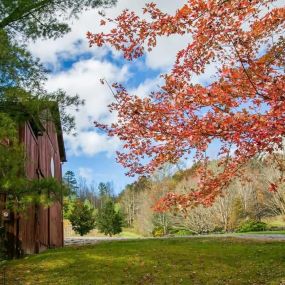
(77, 69)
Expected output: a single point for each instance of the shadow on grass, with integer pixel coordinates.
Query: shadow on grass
(173, 261)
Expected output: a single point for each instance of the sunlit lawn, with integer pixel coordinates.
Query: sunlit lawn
(168, 261)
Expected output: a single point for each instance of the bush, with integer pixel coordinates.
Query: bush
(82, 218)
(181, 232)
(109, 221)
(218, 230)
(158, 232)
(275, 228)
(252, 226)
(184, 233)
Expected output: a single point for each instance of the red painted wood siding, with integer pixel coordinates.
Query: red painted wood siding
(39, 228)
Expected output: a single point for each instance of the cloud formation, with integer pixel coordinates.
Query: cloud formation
(90, 143)
(83, 76)
(86, 173)
(75, 42)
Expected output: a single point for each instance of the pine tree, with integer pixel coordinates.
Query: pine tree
(109, 221)
(105, 192)
(82, 218)
(70, 180)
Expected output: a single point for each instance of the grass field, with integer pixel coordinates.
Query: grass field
(170, 261)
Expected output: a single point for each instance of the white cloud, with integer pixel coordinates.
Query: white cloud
(208, 76)
(75, 42)
(84, 79)
(86, 173)
(164, 54)
(90, 143)
(146, 87)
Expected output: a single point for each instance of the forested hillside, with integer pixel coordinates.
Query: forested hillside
(243, 204)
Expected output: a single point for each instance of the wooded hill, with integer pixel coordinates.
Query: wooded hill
(242, 204)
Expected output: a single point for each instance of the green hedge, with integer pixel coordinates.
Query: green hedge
(252, 226)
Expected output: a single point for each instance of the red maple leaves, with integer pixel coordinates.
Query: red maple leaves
(243, 108)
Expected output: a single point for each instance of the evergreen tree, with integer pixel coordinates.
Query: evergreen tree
(22, 80)
(69, 200)
(105, 189)
(109, 221)
(105, 192)
(43, 18)
(82, 218)
(70, 180)
(102, 189)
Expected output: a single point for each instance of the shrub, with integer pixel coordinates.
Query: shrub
(184, 233)
(109, 221)
(218, 229)
(252, 226)
(82, 218)
(181, 232)
(158, 232)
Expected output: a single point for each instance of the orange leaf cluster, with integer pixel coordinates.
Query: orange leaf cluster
(244, 108)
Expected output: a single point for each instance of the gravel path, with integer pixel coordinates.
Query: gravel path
(267, 237)
(92, 240)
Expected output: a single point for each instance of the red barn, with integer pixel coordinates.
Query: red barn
(40, 228)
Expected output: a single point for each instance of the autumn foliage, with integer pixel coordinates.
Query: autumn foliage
(243, 107)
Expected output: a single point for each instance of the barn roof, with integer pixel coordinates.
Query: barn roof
(36, 123)
(60, 136)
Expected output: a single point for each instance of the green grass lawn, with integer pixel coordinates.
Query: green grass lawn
(128, 234)
(162, 261)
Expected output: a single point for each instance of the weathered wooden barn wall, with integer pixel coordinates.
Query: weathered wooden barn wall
(39, 228)
(49, 151)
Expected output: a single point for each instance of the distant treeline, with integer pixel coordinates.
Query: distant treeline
(245, 203)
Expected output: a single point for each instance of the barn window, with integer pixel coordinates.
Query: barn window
(52, 167)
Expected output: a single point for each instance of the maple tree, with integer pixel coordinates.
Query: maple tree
(243, 107)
